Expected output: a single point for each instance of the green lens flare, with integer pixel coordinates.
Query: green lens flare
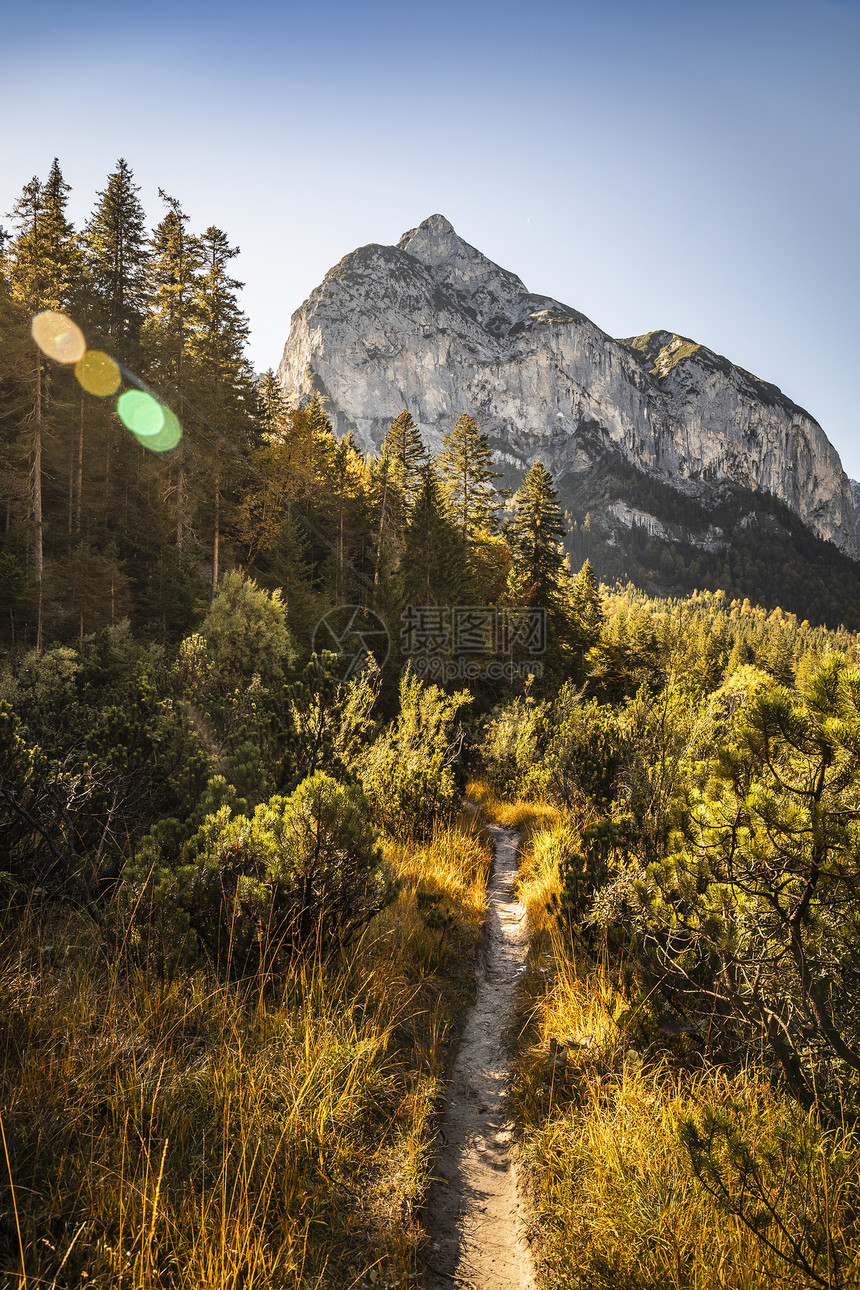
(140, 413)
(168, 436)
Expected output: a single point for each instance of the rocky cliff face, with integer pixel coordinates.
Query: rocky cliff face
(434, 326)
(855, 497)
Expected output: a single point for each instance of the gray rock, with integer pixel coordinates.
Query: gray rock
(433, 325)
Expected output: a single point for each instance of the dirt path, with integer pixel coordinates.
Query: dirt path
(475, 1222)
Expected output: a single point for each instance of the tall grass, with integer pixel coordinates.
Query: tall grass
(616, 1205)
(189, 1132)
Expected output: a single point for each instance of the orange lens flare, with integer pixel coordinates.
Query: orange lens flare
(97, 373)
(58, 337)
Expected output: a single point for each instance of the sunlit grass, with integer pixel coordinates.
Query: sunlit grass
(187, 1132)
(615, 1203)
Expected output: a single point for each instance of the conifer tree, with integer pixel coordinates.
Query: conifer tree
(465, 467)
(44, 266)
(274, 407)
(403, 449)
(586, 618)
(534, 536)
(172, 272)
(432, 566)
(224, 388)
(322, 443)
(395, 480)
(540, 577)
(587, 608)
(349, 482)
(116, 252)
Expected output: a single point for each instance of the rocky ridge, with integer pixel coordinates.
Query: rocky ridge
(433, 325)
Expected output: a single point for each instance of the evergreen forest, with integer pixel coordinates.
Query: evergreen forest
(262, 698)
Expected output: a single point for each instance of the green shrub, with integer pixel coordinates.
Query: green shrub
(408, 772)
(246, 632)
(245, 893)
(512, 738)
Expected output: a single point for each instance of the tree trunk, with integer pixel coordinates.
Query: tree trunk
(216, 541)
(38, 560)
(71, 507)
(180, 502)
(381, 523)
(79, 472)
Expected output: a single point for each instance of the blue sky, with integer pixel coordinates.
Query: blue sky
(691, 166)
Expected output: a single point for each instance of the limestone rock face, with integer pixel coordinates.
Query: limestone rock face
(434, 326)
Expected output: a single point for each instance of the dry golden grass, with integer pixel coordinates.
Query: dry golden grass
(189, 1133)
(616, 1206)
(527, 817)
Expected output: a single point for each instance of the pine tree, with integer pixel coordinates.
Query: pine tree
(432, 566)
(224, 395)
(44, 267)
(465, 467)
(534, 536)
(403, 449)
(274, 407)
(172, 273)
(116, 245)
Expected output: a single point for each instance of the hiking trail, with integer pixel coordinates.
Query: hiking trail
(475, 1217)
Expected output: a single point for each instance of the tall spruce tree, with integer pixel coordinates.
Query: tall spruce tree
(224, 393)
(396, 477)
(403, 449)
(349, 482)
(465, 467)
(586, 617)
(116, 245)
(172, 272)
(274, 407)
(432, 565)
(44, 263)
(534, 535)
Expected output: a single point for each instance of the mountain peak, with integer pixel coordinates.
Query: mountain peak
(436, 326)
(488, 293)
(432, 229)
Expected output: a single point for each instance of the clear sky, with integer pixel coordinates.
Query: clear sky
(685, 165)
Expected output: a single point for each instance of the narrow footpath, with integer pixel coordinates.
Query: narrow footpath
(475, 1218)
